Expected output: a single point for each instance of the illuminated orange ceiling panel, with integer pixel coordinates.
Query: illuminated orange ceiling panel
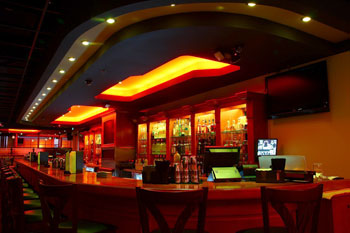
(173, 72)
(23, 131)
(79, 114)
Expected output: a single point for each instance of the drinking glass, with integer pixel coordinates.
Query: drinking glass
(318, 168)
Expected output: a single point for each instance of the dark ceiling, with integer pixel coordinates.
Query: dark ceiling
(32, 31)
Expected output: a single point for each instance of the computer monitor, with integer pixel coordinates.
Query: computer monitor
(266, 147)
(220, 156)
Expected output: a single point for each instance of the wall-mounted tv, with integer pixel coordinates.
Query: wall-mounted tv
(300, 91)
(266, 147)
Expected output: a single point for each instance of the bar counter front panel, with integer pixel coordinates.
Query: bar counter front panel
(231, 206)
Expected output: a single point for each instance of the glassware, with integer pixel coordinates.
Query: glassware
(318, 168)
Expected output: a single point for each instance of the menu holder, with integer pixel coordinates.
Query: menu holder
(226, 174)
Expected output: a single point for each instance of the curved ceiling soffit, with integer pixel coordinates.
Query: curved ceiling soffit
(197, 19)
(192, 19)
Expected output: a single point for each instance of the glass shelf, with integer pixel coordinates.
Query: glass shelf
(186, 136)
(235, 131)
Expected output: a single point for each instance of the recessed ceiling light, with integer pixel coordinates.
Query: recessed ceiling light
(251, 4)
(49, 88)
(62, 71)
(306, 19)
(54, 81)
(34, 107)
(120, 82)
(173, 5)
(36, 104)
(43, 94)
(110, 20)
(39, 99)
(85, 42)
(71, 59)
(31, 110)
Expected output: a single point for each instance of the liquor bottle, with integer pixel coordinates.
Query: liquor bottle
(199, 147)
(228, 126)
(182, 128)
(233, 126)
(194, 170)
(199, 128)
(204, 126)
(185, 171)
(186, 128)
(213, 126)
(209, 127)
(177, 173)
(174, 129)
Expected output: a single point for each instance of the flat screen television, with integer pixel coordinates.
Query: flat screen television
(300, 91)
(266, 147)
(220, 156)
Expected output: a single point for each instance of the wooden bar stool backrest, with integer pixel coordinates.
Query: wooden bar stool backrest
(299, 209)
(191, 200)
(15, 203)
(58, 197)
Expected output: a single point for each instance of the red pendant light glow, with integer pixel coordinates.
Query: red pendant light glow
(79, 114)
(173, 72)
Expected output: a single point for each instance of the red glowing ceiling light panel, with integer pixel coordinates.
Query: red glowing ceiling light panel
(79, 114)
(171, 73)
(23, 131)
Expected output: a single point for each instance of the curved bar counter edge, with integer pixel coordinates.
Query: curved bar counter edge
(231, 206)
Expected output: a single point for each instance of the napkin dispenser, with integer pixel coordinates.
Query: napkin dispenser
(269, 176)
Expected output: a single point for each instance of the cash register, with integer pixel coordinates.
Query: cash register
(220, 163)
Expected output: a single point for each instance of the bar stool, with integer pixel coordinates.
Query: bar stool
(298, 208)
(60, 198)
(191, 200)
(20, 219)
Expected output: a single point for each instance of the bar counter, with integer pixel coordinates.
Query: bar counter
(231, 206)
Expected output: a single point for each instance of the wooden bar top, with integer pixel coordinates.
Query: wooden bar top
(90, 178)
(230, 205)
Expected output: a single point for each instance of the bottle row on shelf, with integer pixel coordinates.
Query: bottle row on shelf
(205, 127)
(181, 127)
(183, 147)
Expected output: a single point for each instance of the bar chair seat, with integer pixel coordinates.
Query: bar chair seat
(298, 208)
(33, 216)
(30, 196)
(261, 230)
(184, 231)
(31, 204)
(28, 190)
(84, 226)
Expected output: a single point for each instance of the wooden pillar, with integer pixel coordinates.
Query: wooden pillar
(167, 140)
(149, 143)
(16, 140)
(218, 126)
(38, 142)
(193, 135)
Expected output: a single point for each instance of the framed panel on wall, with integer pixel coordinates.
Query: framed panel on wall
(109, 130)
